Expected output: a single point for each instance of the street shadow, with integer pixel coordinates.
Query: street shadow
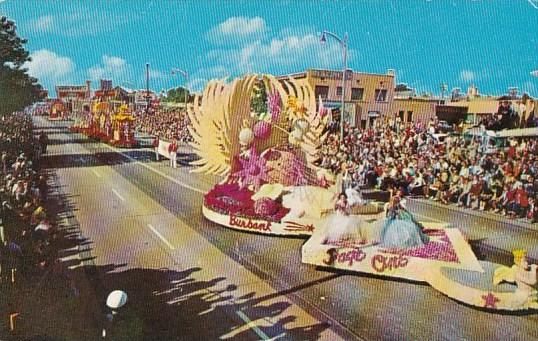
(165, 304)
(59, 161)
(67, 300)
(53, 141)
(185, 159)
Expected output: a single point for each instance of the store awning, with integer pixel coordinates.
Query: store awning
(332, 105)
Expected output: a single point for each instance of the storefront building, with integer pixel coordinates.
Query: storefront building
(74, 96)
(414, 109)
(368, 96)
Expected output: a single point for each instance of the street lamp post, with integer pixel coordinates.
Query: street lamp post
(343, 43)
(147, 88)
(186, 75)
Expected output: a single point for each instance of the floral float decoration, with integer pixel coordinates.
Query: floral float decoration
(107, 124)
(270, 185)
(261, 144)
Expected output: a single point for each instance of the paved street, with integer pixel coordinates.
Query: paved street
(188, 278)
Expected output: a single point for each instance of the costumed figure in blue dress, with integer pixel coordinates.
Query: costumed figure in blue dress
(400, 229)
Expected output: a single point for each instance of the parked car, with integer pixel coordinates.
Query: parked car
(445, 127)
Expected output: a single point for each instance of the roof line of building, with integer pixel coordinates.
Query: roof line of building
(349, 69)
(303, 73)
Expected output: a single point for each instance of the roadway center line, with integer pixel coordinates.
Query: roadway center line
(252, 325)
(170, 246)
(156, 171)
(117, 194)
(96, 173)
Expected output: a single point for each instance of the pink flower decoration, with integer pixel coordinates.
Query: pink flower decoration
(228, 199)
(298, 172)
(440, 249)
(323, 112)
(265, 207)
(274, 105)
(262, 130)
(254, 170)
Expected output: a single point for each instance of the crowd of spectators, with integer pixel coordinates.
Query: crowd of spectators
(26, 229)
(166, 124)
(509, 118)
(464, 171)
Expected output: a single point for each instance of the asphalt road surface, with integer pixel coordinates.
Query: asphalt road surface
(195, 279)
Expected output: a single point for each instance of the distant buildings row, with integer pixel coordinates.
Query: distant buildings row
(78, 98)
(369, 98)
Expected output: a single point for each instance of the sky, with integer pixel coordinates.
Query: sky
(490, 43)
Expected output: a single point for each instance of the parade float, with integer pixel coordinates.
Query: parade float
(271, 185)
(100, 114)
(122, 127)
(105, 125)
(57, 109)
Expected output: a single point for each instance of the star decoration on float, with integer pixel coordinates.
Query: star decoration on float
(490, 301)
(254, 170)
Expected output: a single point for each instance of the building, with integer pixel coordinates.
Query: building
(368, 96)
(70, 93)
(413, 109)
(402, 90)
(141, 98)
(74, 96)
(44, 93)
(105, 84)
(451, 114)
(477, 107)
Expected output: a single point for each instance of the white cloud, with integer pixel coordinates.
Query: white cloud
(158, 74)
(197, 84)
(291, 53)
(242, 26)
(112, 67)
(467, 76)
(238, 30)
(44, 23)
(199, 79)
(47, 66)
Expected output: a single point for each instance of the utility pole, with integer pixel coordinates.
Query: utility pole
(343, 44)
(147, 88)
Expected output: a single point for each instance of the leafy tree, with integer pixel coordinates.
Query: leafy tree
(258, 102)
(177, 95)
(17, 88)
